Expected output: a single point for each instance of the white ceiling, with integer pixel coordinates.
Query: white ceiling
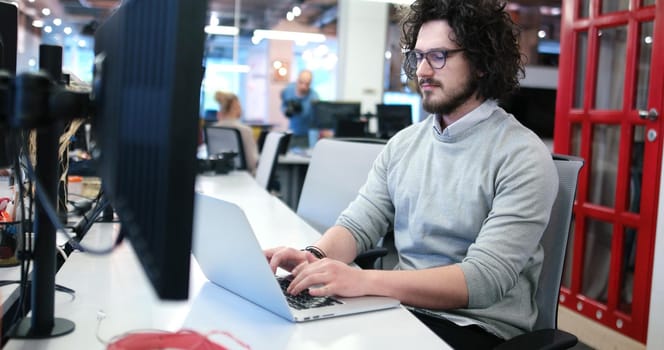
(254, 14)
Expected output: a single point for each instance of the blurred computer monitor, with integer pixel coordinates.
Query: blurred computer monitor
(535, 108)
(406, 98)
(8, 39)
(392, 118)
(8, 36)
(328, 113)
(351, 128)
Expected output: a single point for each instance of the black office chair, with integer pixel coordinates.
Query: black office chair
(273, 145)
(222, 139)
(260, 141)
(545, 334)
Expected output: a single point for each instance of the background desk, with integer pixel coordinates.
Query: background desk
(291, 170)
(116, 286)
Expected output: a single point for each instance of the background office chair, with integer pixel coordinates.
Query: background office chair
(267, 162)
(554, 241)
(336, 172)
(221, 139)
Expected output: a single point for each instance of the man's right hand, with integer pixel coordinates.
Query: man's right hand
(287, 258)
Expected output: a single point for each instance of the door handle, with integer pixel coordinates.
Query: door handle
(651, 114)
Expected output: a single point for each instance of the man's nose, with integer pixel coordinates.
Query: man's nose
(424, 69)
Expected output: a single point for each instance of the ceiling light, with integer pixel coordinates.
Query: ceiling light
(290, 16)
(57, 21)
(234, 68)
(222, 30)
(260, 34)
(297, 11)
(38, 23)
(67, 30)
(46, 11)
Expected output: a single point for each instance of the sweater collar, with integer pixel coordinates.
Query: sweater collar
(477, 115)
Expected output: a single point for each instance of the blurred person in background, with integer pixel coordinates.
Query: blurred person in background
(229, 115)
(296, 103)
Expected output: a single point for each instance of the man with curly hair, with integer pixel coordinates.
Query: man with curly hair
(468, 191)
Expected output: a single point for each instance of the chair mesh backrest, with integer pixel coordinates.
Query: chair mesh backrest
(554, 241)
(220, 139)
(269, 156)
(336, 172)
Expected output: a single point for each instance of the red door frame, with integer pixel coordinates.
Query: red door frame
(632, 324)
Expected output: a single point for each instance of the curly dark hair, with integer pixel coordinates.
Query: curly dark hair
(486, 32)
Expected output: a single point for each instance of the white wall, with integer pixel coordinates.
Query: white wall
(362, 32)
(283, 51)
(540, 77)
(27, 49)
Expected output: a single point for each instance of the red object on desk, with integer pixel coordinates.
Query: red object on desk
(4, 215)
(5, 251)
(183, 339)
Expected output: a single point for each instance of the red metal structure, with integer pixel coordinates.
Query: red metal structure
(608, 110)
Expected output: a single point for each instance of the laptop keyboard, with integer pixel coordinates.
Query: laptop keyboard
(304, 300)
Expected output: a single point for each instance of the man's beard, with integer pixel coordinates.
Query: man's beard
(448, 106)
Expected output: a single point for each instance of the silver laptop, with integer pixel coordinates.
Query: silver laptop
(230, 256)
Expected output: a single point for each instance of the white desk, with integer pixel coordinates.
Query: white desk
(115, 284)
(9, 293)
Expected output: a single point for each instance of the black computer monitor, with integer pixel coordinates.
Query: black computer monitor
(392, 118)
(146, 85)
(535, 108)
(351, 128)
(327, 113)
(8, 38)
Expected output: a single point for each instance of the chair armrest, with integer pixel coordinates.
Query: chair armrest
(366, 260)
(545, 339)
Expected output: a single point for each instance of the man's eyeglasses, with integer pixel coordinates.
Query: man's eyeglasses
(435, 58)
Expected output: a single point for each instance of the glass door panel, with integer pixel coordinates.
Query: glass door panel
(581, 63)
(643, 66)
(611, 68)
(604, 165)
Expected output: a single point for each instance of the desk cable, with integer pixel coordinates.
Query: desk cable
(53, 217)
(184, 339)
(22, 161)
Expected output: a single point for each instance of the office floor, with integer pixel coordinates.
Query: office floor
(582, 346)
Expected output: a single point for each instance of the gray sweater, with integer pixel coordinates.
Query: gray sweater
(477, 194)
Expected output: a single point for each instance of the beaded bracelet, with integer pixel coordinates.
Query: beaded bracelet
(315, 251)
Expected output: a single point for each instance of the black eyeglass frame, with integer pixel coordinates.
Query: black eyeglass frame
(412, 62)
